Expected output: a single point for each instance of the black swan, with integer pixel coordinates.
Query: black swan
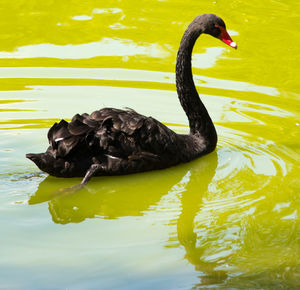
(114, 142)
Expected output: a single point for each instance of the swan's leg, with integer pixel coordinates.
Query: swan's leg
(90, 173)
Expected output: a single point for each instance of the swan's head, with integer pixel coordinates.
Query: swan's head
(215, 26)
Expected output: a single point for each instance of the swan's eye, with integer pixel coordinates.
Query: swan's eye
(218, 27)
(217, 30)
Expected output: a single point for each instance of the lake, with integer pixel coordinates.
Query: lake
(230, 219)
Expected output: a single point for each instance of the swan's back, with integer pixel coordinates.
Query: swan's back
(123, 140)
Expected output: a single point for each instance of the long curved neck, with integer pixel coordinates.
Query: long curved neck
(199, 120)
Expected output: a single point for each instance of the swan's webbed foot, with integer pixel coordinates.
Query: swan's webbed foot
(69, 190)
(73, 189)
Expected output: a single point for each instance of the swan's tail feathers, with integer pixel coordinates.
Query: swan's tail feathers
(35, 158)
(38, 159)
(46, 162)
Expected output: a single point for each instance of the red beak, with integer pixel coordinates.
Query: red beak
(225, 37)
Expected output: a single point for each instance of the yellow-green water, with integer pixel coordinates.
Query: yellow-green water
(228, 220)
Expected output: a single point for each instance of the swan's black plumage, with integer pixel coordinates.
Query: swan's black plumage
(113, 142)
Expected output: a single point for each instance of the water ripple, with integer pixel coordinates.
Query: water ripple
(117, 74)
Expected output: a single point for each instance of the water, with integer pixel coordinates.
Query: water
(228, 220)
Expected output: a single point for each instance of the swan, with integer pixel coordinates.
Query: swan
(114, 142)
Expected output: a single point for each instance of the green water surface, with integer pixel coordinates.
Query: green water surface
(228, 220)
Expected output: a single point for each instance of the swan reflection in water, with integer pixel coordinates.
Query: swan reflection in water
(120, 196)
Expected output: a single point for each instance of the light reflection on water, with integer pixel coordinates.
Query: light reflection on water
(105, 47)
(129, 75)
(230, 219)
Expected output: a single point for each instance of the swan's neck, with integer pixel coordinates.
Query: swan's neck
(199, 120)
